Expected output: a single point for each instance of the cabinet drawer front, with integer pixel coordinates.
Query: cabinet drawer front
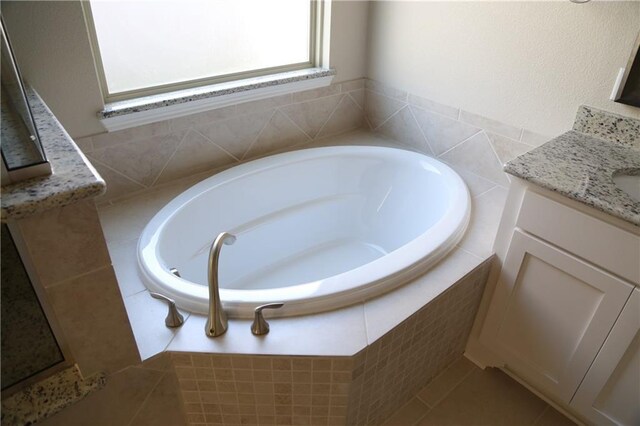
(605, 245)
(555, 311)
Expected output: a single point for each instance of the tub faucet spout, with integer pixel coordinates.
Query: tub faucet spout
(217, 321)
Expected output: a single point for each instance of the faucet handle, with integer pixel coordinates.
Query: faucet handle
(260, 326)
(174, 318)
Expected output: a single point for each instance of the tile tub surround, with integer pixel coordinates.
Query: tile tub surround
(73, 179)
(608, 126)
(462, 139)
(360, 325)
(68, 260)
(152, 155)
(360, 389)
(580, 167)
(49, 396)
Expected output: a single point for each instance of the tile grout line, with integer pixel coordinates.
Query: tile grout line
(117, 172)
(258, 135)
(130, 423)
(460, 143)
(422, 131)
(330, 117)
(184, 137)
(215, 144)
(377, 129)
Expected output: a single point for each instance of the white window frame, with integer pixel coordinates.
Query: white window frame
(318, 58)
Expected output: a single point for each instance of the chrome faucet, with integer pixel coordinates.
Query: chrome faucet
(217, 321)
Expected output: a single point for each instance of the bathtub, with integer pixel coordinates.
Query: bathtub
(317, 229)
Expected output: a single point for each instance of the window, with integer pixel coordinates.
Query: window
(149, 47)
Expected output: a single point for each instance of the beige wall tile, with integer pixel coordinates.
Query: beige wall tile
(236, 135)
(490, 125)
(476, 155)
(124, 255)
(85, 144)
(263, 104)
(147, 131)
(311, 116)
(358, 97)
(142, 160)
(65, 242)
(91, 314)
(309, 95)
(433, 106)
(403, 127)
(507, 149)
(118, 184)
(442, 133)
(195, 154)
(280, 133)
(348, 86)
(533, 139)
(378, 108)
(485, 218)
(347, 116)
(202, 118)
(388, 91)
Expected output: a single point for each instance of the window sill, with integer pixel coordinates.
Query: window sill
(149, 109)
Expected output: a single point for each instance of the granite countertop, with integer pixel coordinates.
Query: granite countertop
(47, 397)
(580, 166)
(73, 178)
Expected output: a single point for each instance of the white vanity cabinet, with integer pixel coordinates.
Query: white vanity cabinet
(556, 317)
(610, 392)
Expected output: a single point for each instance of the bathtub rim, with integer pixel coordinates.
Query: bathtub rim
(196, 298)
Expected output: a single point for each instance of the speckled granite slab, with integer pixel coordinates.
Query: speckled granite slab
(580, 167)
(73, 178)
(608, 126)
(181, 96)
(47, 397)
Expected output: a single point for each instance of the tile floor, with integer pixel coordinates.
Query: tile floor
(466, 395)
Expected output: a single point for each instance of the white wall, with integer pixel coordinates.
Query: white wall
(529, 64)
(52, 48)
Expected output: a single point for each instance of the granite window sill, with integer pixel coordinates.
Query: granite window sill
(149, 109)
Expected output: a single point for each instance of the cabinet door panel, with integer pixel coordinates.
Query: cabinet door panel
(610, 392)
(551, 313)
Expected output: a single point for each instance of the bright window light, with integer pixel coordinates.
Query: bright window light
(165, 44)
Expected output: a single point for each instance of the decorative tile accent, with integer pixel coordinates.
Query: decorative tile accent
(608, 126)
(507, 149)
(237, 134)
(311, 116)
(385, 90)
(402, 127)
(141, 161)
(442, 132)
(491, 125)
(388, 373)
(280, 133)
(347, 116)
(155, 154)
(194, 155)
(429, 105)
(378, 108)
(361, 389)
(476, 155)
(271, 390)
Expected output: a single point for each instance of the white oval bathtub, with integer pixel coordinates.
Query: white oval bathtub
(316, 229)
